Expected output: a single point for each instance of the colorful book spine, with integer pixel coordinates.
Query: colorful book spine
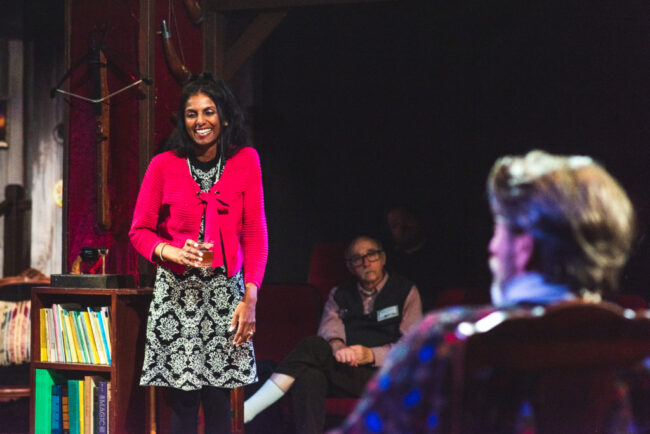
(85, 346)
(97, 334)
(43, 334)
(95, 398)
(60, 357)
(69, 334)
(91, 338)
(51, 340)
(64, 335)
(102, 411)
(106, 317)
(73, 405)
(82, 405)
(105, 342)
(43, 382)
(109, 406)
(65, 409)
(77, 337)
(90, 403)
(57, 421)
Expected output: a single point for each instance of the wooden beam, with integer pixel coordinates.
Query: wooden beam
(66, 154)
(235, 5)
(250, 41)
(146, 117)
(214, 43)
(146, 65)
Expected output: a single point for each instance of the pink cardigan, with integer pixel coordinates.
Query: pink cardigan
(170, 206)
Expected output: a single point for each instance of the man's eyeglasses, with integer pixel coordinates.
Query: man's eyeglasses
(372, 256)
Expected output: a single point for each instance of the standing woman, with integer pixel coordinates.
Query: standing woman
(207, 187)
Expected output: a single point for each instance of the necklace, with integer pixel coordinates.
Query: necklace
(205, 178)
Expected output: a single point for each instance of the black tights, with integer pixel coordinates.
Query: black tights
(185, 409)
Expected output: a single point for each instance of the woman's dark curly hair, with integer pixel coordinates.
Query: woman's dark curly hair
(233, 133)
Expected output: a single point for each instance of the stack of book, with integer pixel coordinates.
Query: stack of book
(70, 405)
(70, 334)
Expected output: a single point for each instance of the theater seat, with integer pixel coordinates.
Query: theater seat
(564, 359)
(286, 313)
(327, 266)
(462, 296)
(628, 301)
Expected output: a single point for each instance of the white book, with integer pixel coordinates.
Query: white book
(58, 337)
(62, 338)
(52, 355)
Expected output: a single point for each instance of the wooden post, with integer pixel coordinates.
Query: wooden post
(214, 35)
(15, 209)
(146, 120)
(237, 410)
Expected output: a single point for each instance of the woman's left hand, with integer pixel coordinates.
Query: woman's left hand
(244, 316)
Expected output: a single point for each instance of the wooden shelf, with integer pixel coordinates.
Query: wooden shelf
(72, 366)
(128, 307)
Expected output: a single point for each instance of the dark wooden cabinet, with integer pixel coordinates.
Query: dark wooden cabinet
(128, 307)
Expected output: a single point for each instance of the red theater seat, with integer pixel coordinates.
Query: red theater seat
(327, 266)
(462, 296)
(286, 313)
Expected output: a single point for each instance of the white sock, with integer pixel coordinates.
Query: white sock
(263, 398)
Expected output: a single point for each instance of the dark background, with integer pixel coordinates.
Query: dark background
(368, 105)
(360, 106)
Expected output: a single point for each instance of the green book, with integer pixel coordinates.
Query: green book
(44, 380)
(73, 405)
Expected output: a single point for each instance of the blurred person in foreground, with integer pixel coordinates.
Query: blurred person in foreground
(563, 229)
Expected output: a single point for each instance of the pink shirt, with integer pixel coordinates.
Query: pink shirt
(331, 324)
(170, 206)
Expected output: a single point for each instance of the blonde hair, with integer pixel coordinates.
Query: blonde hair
(581, 219)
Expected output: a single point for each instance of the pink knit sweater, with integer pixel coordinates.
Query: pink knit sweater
(170, 206)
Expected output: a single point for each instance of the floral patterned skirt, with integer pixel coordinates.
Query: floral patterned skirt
(188, 344)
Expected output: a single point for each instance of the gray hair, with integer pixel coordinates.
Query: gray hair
(581, 219)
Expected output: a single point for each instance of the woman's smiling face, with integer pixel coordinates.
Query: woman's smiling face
(202, 121)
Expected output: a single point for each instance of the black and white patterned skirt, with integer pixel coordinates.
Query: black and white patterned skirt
(188, 344)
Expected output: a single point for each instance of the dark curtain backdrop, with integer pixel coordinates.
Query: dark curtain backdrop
(368, 105)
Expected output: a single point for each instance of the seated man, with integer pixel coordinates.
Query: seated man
(361, 322)
(563, 229)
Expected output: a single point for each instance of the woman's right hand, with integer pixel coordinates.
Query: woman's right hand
(188, 255)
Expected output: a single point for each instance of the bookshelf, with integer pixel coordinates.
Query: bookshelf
(128, 309)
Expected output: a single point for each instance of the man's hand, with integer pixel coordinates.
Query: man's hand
(363, 354)
(354, 355)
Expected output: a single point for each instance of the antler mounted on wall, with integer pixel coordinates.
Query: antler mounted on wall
(180, 72)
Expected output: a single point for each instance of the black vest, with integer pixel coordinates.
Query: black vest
(379, 327)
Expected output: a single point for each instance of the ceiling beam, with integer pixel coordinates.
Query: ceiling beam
(250, 41)
(235, 5)
(226, 61)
